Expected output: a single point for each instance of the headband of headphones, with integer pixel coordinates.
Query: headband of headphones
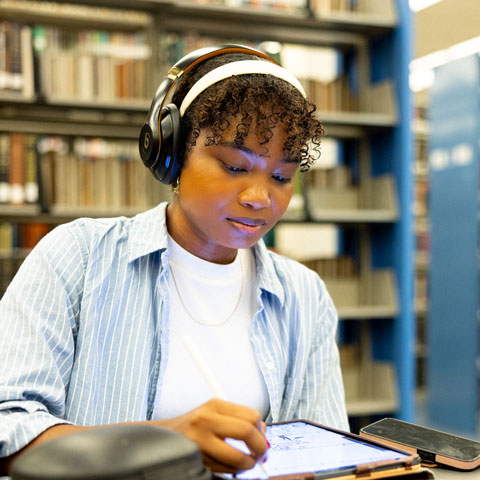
(162, 134)
(241, 67)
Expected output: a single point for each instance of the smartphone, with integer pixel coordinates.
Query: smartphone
(433, 446)
(301, 449)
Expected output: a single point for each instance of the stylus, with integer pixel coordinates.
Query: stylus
(210, 379)
(204, 368)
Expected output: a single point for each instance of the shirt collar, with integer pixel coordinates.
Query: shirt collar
(269, 279)
(149, 234)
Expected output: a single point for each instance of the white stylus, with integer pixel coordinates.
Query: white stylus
(204, 368)
(209, 378)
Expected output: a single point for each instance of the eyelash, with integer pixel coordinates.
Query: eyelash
(234, 169)
(281, 179)
(237, 170)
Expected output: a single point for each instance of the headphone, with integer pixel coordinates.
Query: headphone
(161, 136)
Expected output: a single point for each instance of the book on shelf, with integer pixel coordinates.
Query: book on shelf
(93, 175)
(6, 238)
(8, 268)
(380, 98)
(341, 266)
(384, 9)
(306, 241)
(67, 10)
(18, 169)
(16, 60)
(332, 88)
(16, 241)
(4, 168)
(285, 6)
(92, 65)
(31, 170)
(21, 236)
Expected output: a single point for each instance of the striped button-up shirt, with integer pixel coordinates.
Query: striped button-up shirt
(84, 330)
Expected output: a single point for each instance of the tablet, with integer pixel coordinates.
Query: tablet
(301, 449)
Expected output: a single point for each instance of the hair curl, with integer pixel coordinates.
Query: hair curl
(261, 101)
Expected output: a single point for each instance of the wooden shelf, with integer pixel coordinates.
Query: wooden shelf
(70, 128)
(20, 211)
(371, 406)
(358, 119)
(362, 312)
(116, 120)
(73, 15)
(15, 97)
(15, 253)
(179, 15)
(69, 213)
(368, 23)
(57, 216)
(117, 104)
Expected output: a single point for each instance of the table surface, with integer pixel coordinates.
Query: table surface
(448, 474)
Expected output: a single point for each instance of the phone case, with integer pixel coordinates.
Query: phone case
(433, 446)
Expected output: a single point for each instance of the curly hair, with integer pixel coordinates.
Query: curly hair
(261, 101)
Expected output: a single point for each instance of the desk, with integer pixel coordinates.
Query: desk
(447, 474)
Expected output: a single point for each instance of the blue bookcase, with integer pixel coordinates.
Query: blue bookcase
(393, 244)
(452, 340)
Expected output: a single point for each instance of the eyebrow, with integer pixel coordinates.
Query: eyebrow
(249, 151)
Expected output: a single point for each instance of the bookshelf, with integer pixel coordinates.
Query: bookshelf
(452, 334)
(365, 106)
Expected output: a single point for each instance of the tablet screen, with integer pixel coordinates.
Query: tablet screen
(297, 447)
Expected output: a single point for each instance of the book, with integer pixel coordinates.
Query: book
(17, 169)
(91, 65)
(307, 241)
(31, 171)
(14, 55)
(5, 190)
(28, 90)
(29, 234)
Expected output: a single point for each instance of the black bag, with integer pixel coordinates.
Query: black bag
(120, 452)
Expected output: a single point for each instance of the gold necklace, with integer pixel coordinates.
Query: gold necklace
(208, 323)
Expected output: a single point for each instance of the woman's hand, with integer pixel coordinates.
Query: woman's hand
(215, 420)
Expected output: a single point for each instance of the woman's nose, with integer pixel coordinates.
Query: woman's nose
(255, 196)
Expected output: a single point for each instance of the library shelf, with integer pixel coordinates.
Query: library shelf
(374, 201)
(70, 129)
(373, 390)
(371, 295)
(73, 14)
(22, 212)
(359, 119)
(366, 23)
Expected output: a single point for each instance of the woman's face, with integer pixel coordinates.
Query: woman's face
(230, 196)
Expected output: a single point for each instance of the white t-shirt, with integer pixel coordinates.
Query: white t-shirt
(210, 292)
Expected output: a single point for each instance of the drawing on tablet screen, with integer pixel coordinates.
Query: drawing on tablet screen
(300, 447)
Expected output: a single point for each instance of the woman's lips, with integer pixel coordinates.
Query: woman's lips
(248, 225)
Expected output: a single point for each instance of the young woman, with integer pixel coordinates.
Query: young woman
(99, 324)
